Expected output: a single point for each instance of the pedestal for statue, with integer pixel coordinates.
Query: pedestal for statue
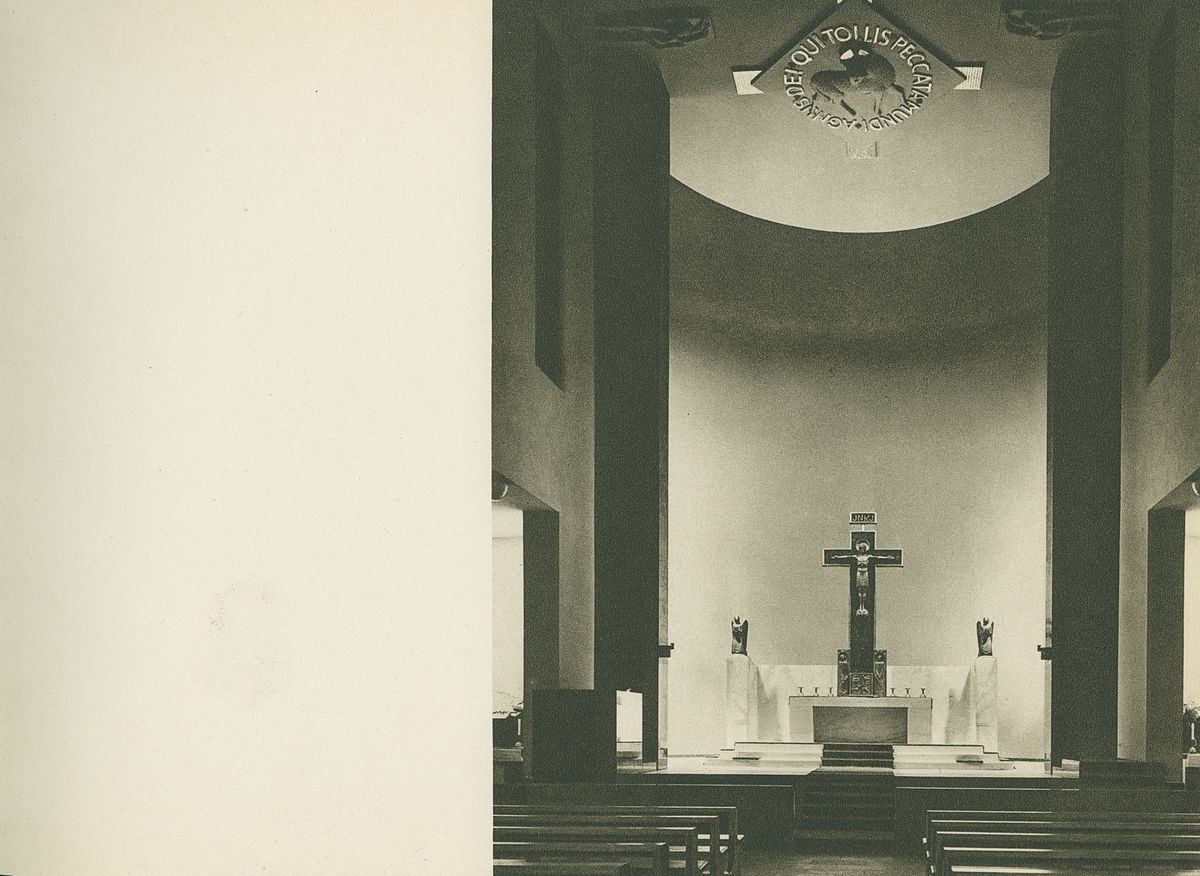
(896, 720)
(741, 700)
(983, 681)
(1191, 772)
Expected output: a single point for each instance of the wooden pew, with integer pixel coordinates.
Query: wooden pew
(959, 842)
(986, 815)
(766, 811)
(1066, 821)
(714, 845)
(643, 858)
(1088, 860)
(719, 822)
(709, 856)
(559, 868)
(681, 841)
(1069, 869)
(1055, 825)
(914, 801)
(1094, 845)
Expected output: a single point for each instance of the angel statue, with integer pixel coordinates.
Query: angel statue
(741, 629)
(983, 631)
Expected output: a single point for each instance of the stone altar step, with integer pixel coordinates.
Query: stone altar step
(914, 759)
(857, 754)
(797, 753)
(847, 804)
(927, 752)
(864, 762)
(946, 758)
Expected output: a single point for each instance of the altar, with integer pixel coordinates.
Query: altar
(761, 705)
(896, 720)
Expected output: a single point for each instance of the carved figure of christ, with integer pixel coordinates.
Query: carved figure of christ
(862, 558)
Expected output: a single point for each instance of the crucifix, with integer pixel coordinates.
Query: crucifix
(862, 671)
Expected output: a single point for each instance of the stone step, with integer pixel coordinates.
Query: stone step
(947, 758)
(848, 802)
(840, 838)
(856, 761)
(844, 816)
(797, 753)
(856, 755)
(861, 771)
(802, 757)
(820, 807)
(866, 794)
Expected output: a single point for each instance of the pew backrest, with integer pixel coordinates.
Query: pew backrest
(766, 810)
(1005, 860)
(720, 822)
(727, 814)
(975, 839)
(644, 858)
(681, 841)
(707, 826)
(1089, 821)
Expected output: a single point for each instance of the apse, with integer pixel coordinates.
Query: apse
(858, 325)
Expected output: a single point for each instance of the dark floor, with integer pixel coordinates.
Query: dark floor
(828, 860)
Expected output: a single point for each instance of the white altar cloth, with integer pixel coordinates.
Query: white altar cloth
(917, 728)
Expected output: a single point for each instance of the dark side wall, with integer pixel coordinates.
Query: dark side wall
(770, 454)
(588, 444)
(542, 433)
(1160, 441)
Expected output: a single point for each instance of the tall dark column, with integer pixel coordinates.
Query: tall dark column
(1084, 396)
(541, 602)
(632, 165)
(541, 599)
(1165, 539)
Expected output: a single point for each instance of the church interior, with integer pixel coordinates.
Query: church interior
(762, 311)
(287, 285)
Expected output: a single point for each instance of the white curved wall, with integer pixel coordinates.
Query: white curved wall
(768, 459)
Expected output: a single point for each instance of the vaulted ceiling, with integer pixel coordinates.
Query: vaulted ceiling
(963, 151)
(782, 238)
(773, 289)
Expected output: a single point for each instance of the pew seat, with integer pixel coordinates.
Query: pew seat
(712, 854)
(643, 858)
(717, 836)
(681, 841)
(559, 868)
(1074, 870)
(1057, 822)
(972, 843)
(1081, 859)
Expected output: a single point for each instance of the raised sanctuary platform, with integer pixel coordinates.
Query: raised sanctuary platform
(898, 720)
(778, 787)
(798, 758)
